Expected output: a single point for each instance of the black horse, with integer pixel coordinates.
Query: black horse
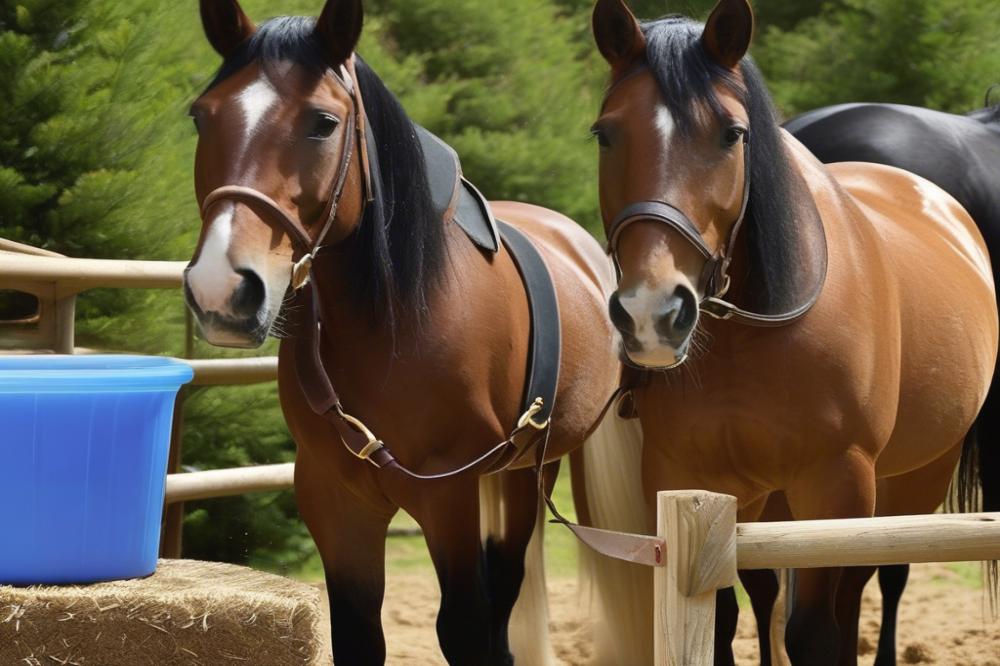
(960, 154)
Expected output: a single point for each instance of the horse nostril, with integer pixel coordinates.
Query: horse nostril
(678, 316)
(249, 295)
(688, 313)
(619, 315)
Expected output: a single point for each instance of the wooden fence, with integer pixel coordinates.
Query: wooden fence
(703, 547)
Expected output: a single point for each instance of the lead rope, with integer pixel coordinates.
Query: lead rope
(636, 548)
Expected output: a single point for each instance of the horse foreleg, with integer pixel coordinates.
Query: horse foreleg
(838, 487)
(448, 513)
(761, 587)
(349, 531)
(852, 585)
(510, 509)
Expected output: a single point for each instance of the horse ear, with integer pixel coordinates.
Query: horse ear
(728, 31)
(617, 33)
(338, 29)
(226, 26)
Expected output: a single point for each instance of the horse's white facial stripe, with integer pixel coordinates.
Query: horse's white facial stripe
(208, 277)
(664, 124)
(643, 305)
(255, 100)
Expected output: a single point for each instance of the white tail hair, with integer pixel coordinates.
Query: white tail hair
(620, 593)
(528, 632)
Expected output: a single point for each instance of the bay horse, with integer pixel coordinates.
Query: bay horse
(961, 155)
(323, 222)
(851, 333)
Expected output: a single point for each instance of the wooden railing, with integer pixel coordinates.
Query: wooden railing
(703, 546)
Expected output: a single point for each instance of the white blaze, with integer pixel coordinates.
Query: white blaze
(645, 306)
(664, 125)
(211, 277)
(255, 100)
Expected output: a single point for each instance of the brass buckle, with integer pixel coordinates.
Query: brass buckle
(374, 443)
(528, 418)
(301, 271)
(725, 286)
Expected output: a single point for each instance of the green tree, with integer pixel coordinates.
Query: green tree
(505, 84)
(83, 93)
(936, 53)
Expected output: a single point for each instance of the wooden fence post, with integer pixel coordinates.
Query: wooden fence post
(699, 529)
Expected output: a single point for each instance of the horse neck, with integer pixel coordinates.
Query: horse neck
(349, 323)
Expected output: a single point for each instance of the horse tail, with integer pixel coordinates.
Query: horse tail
(607, 491)
(978, 479)
(528, 630)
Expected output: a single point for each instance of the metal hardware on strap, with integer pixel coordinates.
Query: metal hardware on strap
(717, 308)
(301, 272)
(527, 419)
(374, 443)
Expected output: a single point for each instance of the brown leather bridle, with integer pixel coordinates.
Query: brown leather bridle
(715, 280)
(313, 379)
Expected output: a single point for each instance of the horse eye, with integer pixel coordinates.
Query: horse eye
(732, 135)
(324, 126)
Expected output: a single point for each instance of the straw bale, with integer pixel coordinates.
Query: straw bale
(186, 614)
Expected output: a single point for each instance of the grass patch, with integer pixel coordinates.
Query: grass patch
(965, 574)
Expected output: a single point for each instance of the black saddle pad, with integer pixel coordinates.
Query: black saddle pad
(456, 199)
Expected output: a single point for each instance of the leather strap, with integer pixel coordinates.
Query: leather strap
(545, 350)
(637, 548)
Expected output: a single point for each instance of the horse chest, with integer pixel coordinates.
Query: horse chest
(747, 417)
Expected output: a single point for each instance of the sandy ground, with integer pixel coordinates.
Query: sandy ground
(942, 621)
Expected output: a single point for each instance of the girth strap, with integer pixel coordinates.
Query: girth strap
(545, 350)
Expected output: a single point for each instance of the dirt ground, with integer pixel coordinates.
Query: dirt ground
(942, 621)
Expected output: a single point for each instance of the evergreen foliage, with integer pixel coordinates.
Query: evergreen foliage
(937, 53)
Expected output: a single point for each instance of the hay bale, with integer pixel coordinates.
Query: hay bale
(188, 613)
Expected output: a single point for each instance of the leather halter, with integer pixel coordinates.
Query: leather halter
(319, 392)
(715, 280)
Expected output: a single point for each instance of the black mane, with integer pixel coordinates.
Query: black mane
(400, 244)
(686, 76)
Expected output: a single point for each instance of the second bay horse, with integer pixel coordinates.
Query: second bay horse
(835, 325)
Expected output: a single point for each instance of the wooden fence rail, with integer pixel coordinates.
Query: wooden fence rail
(210, 484)
(704, 547)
